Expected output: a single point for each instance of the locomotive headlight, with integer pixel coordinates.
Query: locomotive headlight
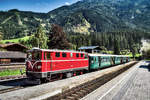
(39, 67)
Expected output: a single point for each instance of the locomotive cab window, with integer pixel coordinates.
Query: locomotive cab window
(57, 54)
(29, 56)
(36, 56)
(64, 55)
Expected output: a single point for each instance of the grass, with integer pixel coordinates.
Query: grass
(136, 55)
(16, 40)
(9, 72)
(147, 59)
(109, 52)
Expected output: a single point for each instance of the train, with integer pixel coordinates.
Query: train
(48, 64)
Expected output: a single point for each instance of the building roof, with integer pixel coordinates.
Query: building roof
(11, 54)
(11, 44)
(13, 47)
(89, 47)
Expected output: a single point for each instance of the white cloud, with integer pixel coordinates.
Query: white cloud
(67, 3)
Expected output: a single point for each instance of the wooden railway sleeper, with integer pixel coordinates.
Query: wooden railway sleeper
(80, 94)
(75, 95)
(70, 98)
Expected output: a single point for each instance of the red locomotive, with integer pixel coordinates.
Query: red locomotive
(44, 63)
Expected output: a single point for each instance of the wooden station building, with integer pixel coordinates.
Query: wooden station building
(12, 53)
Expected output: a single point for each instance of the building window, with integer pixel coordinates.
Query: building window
(64, 54)
(57, 54)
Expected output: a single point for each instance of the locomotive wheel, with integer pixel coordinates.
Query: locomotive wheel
(43, 80)
(69, 75)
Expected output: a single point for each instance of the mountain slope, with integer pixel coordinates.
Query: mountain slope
(16, 23)
(83, 17)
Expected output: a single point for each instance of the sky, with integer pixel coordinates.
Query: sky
(33, 5)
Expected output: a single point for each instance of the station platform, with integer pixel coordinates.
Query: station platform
(134, 84)
(46, 90)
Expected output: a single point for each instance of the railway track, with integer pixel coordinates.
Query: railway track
(82, 90)
(11, 67)
(10, 89)
(13, 84)
(4, 78)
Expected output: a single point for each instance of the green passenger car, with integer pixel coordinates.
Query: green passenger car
(117, 60)
(94, 62)
(97, 61)
(105, 61)
(124, 59)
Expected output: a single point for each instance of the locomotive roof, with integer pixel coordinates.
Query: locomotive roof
(108, 55)
(53, 50)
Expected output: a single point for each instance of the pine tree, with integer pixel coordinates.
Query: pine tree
(116, 47)
(134, 50)
(1, 36)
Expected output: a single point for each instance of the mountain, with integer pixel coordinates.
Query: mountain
(85, 17)
(16, 23)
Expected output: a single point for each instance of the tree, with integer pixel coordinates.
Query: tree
(57, 38)
(134, 50)
(1, 36)
(146, 53)
(39, 39)
(116, 47)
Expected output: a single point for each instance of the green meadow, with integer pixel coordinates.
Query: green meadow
(15, 40)
(10, 72)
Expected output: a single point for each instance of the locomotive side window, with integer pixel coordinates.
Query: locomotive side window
(77, 55)
(57, 54)
(85, 56)
(48, 55)
(71, 55)
(64, 54)
(81, 55)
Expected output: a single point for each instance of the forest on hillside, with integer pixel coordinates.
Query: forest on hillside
(114, 25)
(121, 41)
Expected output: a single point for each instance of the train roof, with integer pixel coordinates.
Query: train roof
(54, 50)
(108, 55)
